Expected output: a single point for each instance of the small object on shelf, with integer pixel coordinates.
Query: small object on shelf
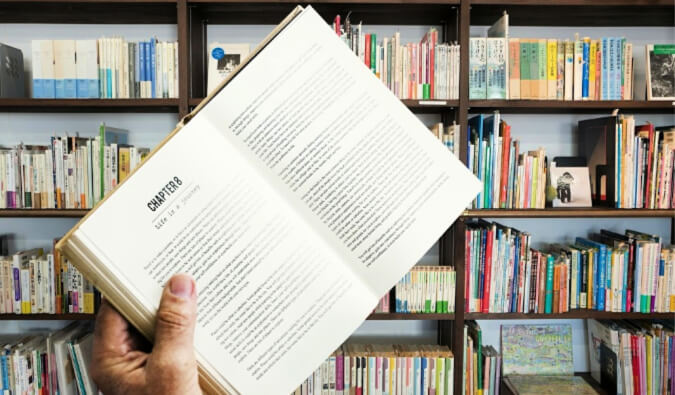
(543, 349)
(548, 385)
(571, 184)
(660, 71)
(11, 72)
(223, 59)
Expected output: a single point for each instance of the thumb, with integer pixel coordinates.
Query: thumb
(175, 327)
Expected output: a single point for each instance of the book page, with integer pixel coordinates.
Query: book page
(352, 160)
(274, 300)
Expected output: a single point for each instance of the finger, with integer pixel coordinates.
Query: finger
(174, 331)
(111, 330)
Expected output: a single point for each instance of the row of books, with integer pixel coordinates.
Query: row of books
(108, 68)
(448, 135)
(426, 289)
(511, 179)
(609, 271)
(482, 363)
(502, 67)
(32, 282)
(550, 69)
(71, 172)
(380, 369)
(51, 363)
(633, 357)
(645, 158)
(425, 70)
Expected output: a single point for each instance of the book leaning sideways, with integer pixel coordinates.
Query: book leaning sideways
(297, 194)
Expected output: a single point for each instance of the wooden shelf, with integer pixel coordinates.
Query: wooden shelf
(570, 213)
(46, 317)
(89, 105)
(43, 213)
(558, 106)
(418, 106)
(371, 12)
(580, 13)
(574, 314)
(410, 317)
(89, 11)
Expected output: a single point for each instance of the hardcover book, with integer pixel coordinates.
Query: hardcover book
(255, 193)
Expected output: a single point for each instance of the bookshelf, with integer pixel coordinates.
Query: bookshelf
(191, 19)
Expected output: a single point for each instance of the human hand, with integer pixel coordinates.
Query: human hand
(120, 364)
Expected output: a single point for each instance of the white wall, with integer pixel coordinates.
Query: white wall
(554, 132)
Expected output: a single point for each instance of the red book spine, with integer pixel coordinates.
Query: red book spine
(485, 305)
(598, 74)
(432, 62)
(336, 25)
(503, 182)
(367, 51)
(636, 363)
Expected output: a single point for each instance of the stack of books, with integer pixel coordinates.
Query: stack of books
(632, 357)
(510, 179)
(32, 282)
(501, 67)
(107, 68)
(630, 272)
(383, 369)
(426, 289)
(71, 172)
(482, 363)
(424, 70)
(53, 363)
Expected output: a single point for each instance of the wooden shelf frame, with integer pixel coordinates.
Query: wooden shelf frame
(575, 106)
(47, 317)
(573, 314)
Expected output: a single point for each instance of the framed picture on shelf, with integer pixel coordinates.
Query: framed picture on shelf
(660, 72)
(223, 59)
(572, 186)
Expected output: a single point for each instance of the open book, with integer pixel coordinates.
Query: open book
(297, 194)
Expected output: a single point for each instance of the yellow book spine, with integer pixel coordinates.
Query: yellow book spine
(551, 68)
(25, 307)
(649, 363)
(88, 303)
(591, 70)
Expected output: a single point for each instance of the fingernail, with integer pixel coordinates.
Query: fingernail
(182, 286)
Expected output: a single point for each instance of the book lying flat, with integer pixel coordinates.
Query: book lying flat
(297, 194)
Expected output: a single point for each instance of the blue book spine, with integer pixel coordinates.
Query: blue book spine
(49, 88)
(585, 70)
(153, 66)
(38, 84)
(82, 87)
(423, 369)
(602, 263)
(70, 88)
(5, 372)
(148, 75)
(610, 68)
(603, 69)
(141, 59)
(516, 272)
(60, 88)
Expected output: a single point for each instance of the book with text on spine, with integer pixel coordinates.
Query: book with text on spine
(294, 206)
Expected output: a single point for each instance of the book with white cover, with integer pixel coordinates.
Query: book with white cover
(223, 59)
(65, 70)
(86, 55)
(259, 188)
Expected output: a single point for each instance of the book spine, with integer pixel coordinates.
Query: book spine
(585, 68)
(552, 69)
(549, 284)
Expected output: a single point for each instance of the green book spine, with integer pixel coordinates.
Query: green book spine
(549, 284)
(373, 52)
(541, 58)
(524, 63)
